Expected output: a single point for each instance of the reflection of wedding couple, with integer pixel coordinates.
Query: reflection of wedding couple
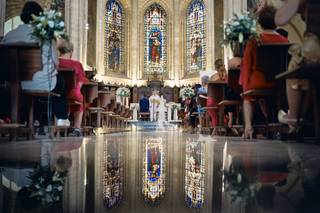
(157, 107)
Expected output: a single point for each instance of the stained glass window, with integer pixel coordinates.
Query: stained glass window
(154, 170)
(194, 173)
(196, 37)
(115, 37)
(155, 36)
(112, 180)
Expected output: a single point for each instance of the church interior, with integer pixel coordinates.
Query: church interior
(159, 106)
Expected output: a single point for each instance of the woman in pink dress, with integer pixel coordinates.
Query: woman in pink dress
(66, 49)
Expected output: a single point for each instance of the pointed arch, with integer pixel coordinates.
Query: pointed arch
(196, 37)
(155, 39)
(114, 51)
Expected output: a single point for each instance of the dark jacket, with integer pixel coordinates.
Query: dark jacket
(144, 105)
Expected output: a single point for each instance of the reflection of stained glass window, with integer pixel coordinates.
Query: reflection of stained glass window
(196, 34)
(195, 173)
(115, 36)
(155, 32)
(154, 170)
(112, 180)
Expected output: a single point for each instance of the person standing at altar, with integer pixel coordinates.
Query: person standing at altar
(162, 110)
(154, 101)
(144, 104)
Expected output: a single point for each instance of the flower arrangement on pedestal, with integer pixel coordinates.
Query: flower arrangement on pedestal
(123, 92)
(187, 92)
(239, 29)
(48, 26)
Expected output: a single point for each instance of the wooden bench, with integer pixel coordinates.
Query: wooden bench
(89, 91)
(32, 95)
(144, 115)
(216, 90)
(19, 61)
(272, 59)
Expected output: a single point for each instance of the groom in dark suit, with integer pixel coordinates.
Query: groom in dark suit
(144, 104)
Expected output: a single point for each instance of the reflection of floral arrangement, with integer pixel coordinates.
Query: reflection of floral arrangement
(46, 187)
(123, 92)
(48, 26)
(238, 185)
(187, 92)
(240, 28)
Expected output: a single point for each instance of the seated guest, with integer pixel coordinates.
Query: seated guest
(230, 94)
(144, 104)
(250, 77)
(66, 49)
(45, 79)
(203, 90)
(193, 108)
(308, 53)
(235, 62)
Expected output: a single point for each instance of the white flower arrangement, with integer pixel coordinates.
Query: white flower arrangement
(187, 92)
(123, 92)
(46, 186)
(48, 26)
(240, 28)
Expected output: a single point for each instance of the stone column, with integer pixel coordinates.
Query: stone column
(2, 16)
(134, 48)
(177, 36)
(76, 24)
(210, 33)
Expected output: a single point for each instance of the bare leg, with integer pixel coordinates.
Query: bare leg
(78, 119)
(248, 116)
(294, 100)
(230, 115)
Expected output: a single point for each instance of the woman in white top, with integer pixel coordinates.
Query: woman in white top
(46, 79)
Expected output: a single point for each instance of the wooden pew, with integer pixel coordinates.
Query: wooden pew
(216, 90)
(233, 83)
(19, 63)
(89, 91)
(311, 73)
(272, 59)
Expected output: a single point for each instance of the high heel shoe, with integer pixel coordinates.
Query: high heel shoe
(283, 118)
(248, 134)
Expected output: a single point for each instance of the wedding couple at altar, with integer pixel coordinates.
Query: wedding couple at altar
(157, 107)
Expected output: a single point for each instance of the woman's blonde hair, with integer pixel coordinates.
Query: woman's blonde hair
(65, 46)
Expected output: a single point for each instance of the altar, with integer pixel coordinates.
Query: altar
(171, 113)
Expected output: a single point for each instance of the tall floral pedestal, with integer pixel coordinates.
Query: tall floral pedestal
(169, 113)
(175, 108)
(134, 107)
(175, 115)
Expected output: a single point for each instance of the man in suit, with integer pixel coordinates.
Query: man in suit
(144, 104)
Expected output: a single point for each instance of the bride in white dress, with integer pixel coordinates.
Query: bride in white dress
(162, 110)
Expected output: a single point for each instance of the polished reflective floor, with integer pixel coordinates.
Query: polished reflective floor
(159, 169)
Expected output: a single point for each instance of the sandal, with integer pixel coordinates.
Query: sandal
(248, 133)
